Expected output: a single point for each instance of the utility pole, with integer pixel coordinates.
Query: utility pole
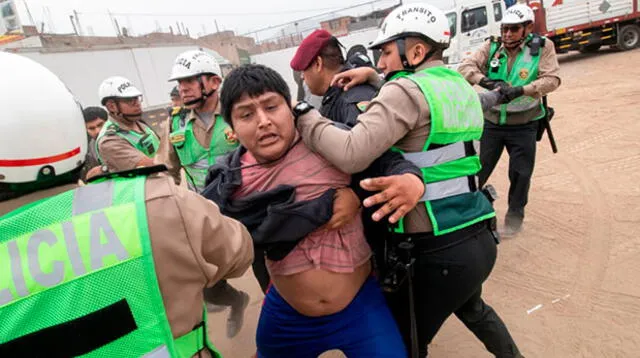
(114, 23)
(79, 29)
(29, 14)
(73, 23)
(216, 22)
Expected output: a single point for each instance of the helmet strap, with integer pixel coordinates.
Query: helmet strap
(127, 117)
(402, 50)
(204, 93)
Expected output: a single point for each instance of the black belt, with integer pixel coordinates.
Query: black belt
(428, 242)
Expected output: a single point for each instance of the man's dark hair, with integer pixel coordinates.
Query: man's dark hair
(92, 113)
(253, 80)
(331, 55)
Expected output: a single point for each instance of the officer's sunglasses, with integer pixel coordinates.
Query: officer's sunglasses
(512, 28)
(131, 101)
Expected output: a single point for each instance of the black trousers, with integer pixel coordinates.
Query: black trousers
(449, 281)
(222, 294)
(520, 141)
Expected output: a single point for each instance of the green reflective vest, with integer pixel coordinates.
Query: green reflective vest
(147, 143)
(523, 72)
(195, 158)
(77, 278)
(449, 159)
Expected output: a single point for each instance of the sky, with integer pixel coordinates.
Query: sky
(199, 16)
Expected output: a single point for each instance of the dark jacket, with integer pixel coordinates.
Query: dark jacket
(342, 106)
(275, 220)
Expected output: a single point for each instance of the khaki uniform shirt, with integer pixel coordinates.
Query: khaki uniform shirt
(116, 152)
(398, 116)
(167, 154)
(475, 67)
(193, 246)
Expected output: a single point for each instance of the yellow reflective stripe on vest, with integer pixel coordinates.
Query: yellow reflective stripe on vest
(51, 256)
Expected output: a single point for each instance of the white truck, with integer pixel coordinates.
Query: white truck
(586, 25)
(472, 22)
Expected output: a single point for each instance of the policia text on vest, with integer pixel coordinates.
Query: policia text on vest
(77, 276)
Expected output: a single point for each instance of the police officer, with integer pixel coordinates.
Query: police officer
(124, 142)
(197, 134)
(114, 268)
(319, 58)
(434, 116)
(176, 101)
(527, 63)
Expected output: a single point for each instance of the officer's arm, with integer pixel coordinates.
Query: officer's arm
(389, 117)
(548, 73)
(119, 155)
(222, 246)
(167, 154)
(474, 67)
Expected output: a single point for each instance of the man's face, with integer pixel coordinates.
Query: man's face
(264, 125)
(190, 90)
(313, 76)
(513, 34)
(176, 101)
(389, 60)
(129, 107)
(94, 127)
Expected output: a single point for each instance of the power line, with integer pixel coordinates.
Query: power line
(310, 17)
(219, 14)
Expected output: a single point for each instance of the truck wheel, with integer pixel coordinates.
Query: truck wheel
(628, 37)
(590, 48)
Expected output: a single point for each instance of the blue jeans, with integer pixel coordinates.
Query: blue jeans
(365, 328)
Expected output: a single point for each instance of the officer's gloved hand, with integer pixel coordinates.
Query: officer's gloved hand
(489, 84)
(508, 93)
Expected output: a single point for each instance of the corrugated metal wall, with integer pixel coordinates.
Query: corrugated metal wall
(578, 12)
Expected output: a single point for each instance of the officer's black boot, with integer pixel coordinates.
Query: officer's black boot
(513, 222)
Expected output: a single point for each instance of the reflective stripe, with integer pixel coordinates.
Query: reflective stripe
(446, 188)
(160, 352)
(92, 197)
(440, 155)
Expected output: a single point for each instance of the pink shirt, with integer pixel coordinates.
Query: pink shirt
(340, 250)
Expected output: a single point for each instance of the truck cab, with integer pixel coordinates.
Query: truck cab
(471, 22)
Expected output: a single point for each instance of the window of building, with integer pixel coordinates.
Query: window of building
(474, 19)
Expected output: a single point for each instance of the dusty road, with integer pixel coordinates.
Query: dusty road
(577, 259)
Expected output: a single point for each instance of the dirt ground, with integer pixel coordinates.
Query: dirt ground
(569, 284)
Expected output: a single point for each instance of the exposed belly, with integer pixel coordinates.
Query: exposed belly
(319, 292)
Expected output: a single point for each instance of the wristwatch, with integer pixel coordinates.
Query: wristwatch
(301, 108)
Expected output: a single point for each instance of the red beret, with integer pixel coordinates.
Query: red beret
(309, 49)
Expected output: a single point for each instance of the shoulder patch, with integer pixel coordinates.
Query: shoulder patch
(176, 110)
(362, 106)
(111, 130)
(229, 136)
(176, 138)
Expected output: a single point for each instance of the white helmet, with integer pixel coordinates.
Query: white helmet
(117, 87)
(414, 19)
(193, 63)
(518, 14)
(42, 132)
